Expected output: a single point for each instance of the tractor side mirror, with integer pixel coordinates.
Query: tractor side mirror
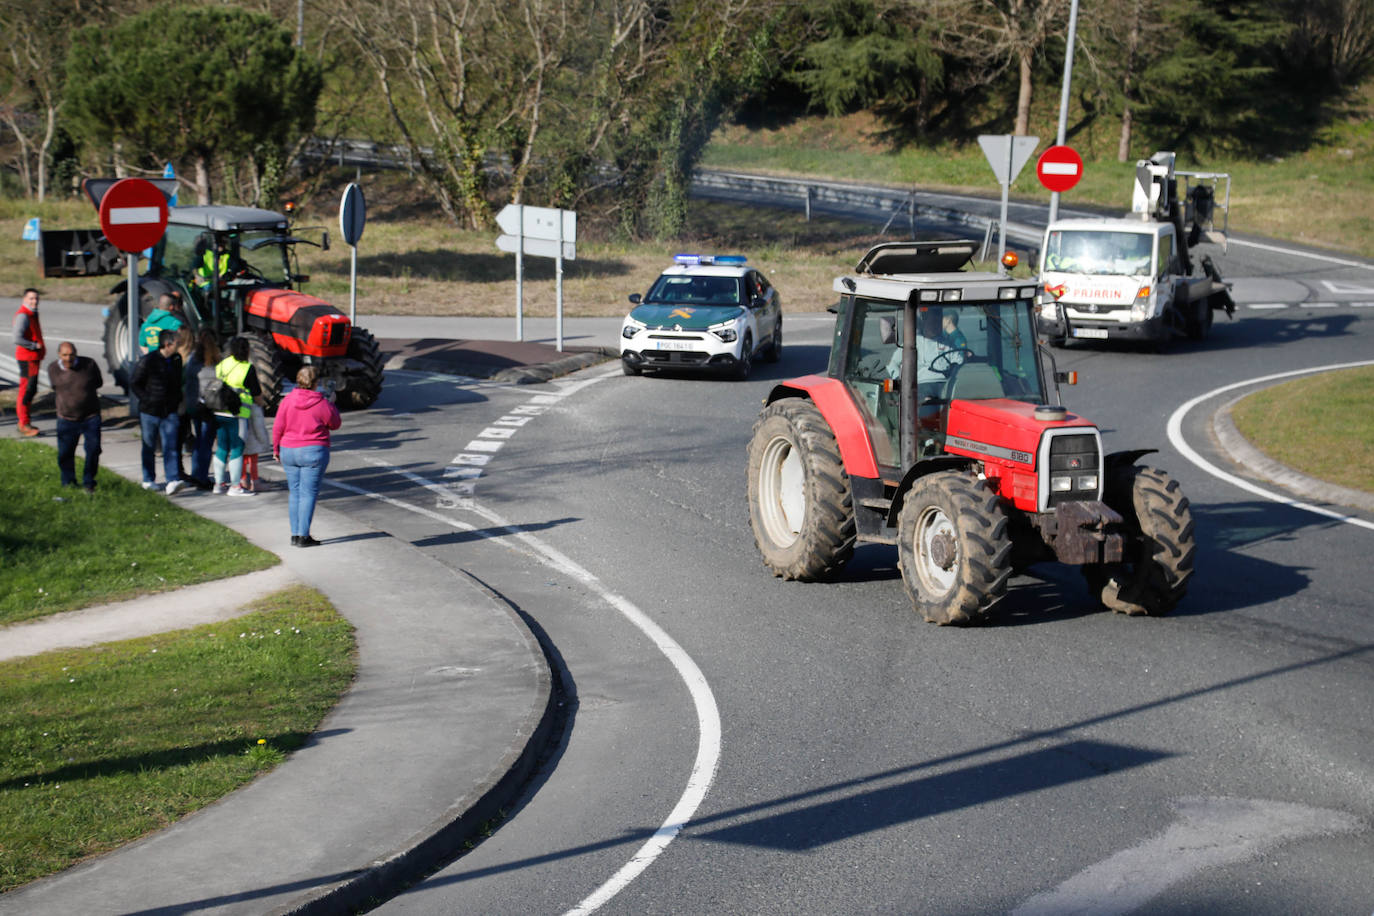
(887, 330)
(1066, 378)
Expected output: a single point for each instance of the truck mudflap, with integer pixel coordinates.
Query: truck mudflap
(1087, 532)
(1221, 291)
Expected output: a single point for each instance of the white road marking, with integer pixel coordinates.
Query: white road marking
(1267, 305)
(707, 759)
(1319, 305)
(1341, 286)
(1279, 249)
(1175, 430)
(1209, 832)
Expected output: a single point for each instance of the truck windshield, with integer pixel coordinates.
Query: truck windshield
(1089, 251)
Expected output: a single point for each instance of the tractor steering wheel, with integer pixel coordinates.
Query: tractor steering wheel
(948, 357)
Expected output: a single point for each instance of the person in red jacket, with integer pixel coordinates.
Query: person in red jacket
(300, 441)
(28, 352)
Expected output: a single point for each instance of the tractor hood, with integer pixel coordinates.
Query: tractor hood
(687, 317)
(1002, 428)
(298, 323)
(1085, 289)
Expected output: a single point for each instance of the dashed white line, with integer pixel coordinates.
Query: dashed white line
(1175, 432)
(1267, 305)
(1209, 832)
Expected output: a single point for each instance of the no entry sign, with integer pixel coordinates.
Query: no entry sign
(1059, 168)
(133, 214)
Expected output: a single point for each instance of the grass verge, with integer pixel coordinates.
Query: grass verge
(61, 548)
(104, 745)
(1321, 425)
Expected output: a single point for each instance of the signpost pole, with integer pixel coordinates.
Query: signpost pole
(520, 278)
(1064, 98)
(353, 286)
(1002, 220)
(558, 283)
(131, 300)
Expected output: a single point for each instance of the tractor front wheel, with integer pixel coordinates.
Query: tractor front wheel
(1159, 549)
(274, 369)
(800, 506)
(117, 353)
(364, 385)
(953, 547)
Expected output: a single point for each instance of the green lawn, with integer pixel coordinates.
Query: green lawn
(99, 746)
(1322, 425)
(62, 549)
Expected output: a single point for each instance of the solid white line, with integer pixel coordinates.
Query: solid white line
(1209, 832)
(708, 714)
(1302, 254)
(1175, 429)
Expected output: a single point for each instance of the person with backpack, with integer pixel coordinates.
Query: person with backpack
(236, 372)
(198, 372)
(157, 383)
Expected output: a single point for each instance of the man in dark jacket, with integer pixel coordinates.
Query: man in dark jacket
(76, 382)
(157, 384)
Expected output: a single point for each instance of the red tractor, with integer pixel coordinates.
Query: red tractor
(932, 431)
(237, 272)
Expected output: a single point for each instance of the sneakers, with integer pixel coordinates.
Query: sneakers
(306, 540)
(28, 430)
(238, 491)
(174, 485)
(149, 485)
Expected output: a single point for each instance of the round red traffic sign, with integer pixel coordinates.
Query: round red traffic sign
(133, 214)
(1059, 168)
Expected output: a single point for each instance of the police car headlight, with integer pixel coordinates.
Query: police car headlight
(727, 335)
(630, 330)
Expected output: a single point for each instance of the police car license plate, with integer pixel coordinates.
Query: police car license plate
(1092, 333)
(675, 345)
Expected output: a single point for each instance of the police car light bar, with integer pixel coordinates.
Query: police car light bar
(710, 258)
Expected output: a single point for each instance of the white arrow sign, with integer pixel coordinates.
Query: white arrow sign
(538, 223)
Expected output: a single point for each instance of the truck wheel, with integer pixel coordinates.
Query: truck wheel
(800, 505)
(953, 548)
(1200, 324)
(117, 337)
(1159, 547)
(273, 366)
(363, 386)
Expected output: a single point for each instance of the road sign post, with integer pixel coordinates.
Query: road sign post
(543, 232)
(133, 216)
(1007, 154)
(352, 219)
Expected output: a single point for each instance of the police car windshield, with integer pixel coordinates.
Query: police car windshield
(695, 290)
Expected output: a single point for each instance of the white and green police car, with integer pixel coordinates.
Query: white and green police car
(710, 312)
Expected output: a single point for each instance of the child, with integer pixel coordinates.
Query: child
(255, 441)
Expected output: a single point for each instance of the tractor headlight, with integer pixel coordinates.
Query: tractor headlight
(1087, 482)
(1061, 484)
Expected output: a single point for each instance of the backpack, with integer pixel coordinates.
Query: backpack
(220, 397)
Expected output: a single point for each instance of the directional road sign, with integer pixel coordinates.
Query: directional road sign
(133, 214)
(1059, 168)
(540, 248)
(538, 223)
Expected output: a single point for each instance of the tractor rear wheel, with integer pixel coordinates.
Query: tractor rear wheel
(1159, 549)
(800, 505)
(274, 368)
(364, 385)
(953, 547)
(117, 356)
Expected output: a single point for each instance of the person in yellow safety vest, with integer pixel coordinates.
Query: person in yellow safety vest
(226, 468)
(206, 271)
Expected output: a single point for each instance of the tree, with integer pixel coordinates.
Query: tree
(211, 85)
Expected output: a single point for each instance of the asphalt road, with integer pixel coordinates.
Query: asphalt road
(1216, 760)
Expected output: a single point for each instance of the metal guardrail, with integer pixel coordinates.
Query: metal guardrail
(831, 197)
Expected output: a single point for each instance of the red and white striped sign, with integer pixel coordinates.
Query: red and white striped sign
(133, 214)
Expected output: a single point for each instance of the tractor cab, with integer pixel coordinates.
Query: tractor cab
(915, 334)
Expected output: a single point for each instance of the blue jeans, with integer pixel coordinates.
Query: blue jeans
(167, 430)
(304, 468)
(69, 432)
(205, 445)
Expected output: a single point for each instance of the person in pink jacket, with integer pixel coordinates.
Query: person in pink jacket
(300, 441)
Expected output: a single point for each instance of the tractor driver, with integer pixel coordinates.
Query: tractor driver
(213, 262)
(934, 357)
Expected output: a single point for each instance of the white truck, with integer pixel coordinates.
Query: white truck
(1131, 278)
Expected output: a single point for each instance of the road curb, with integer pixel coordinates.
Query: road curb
(1246, 455)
